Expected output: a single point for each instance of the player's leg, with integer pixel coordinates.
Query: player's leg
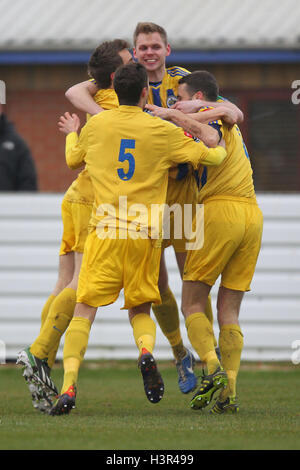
(167, 313)
(144, 328)
(42, 353)
(99, 283)
(66, 257)
(141, 273)
(186, 364)
(236, 280)
(75, 222)
(199, 329)
(167, 316)
(202, 268)
(65, 274)
(181, 258)
(200, 333)
(231, 346)
(59, 317)
(144, 332)
(36, 369)
(76, 341)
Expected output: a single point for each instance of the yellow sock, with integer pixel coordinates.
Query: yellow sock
(45, 310)
(59, 317)
(167, 316)
(231, 346)
(144, 332)
(201, 336)
(76, 341)
(209, 315)
(62, 309)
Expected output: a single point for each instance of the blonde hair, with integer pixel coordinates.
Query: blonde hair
(148, 28)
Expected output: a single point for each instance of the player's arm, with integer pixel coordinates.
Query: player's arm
(183, 149)
(193, 106)
(81, 96)
(76, 146)
(202, 131)
(221, 113)
(215, 156)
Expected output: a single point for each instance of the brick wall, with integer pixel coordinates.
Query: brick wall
(35, 115)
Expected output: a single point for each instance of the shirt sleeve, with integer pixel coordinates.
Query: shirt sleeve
(217, 126)
(217, 123)
(76, 148)
(183, 149)
(215, 156)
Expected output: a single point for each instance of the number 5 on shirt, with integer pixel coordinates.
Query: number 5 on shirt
(126, 156)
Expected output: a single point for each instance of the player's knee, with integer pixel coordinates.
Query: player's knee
(73, 284)
(61, 283)
(185, 307)
(144, 308)
(228, 316)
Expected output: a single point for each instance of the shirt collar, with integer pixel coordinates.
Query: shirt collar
(130, 109)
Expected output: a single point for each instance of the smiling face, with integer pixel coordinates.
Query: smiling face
(151, 51)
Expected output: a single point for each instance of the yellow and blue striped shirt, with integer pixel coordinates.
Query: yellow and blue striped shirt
(164, 93)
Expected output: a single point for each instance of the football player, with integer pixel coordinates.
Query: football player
(118, 253)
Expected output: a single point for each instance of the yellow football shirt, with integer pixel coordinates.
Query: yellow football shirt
(81, 189)
(164, 93)
(233, 177)
(128, 154)
(106, 98)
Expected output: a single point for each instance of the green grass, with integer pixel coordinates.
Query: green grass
(113, 413)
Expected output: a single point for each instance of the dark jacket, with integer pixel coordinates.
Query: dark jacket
(17, 169)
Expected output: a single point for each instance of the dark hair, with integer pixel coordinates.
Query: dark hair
(129, 82)
(120, 44)
(105, 60)
(148, 28)
(201, 81)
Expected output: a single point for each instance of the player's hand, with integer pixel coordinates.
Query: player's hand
(230, 117)
(188, 107)
(69, 123)
(163, 113)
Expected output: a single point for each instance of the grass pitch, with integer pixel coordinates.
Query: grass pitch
(113, 413)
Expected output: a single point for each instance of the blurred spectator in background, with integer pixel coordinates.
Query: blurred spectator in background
(17, 169)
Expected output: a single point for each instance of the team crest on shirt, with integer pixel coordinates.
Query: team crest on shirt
(171, 99)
